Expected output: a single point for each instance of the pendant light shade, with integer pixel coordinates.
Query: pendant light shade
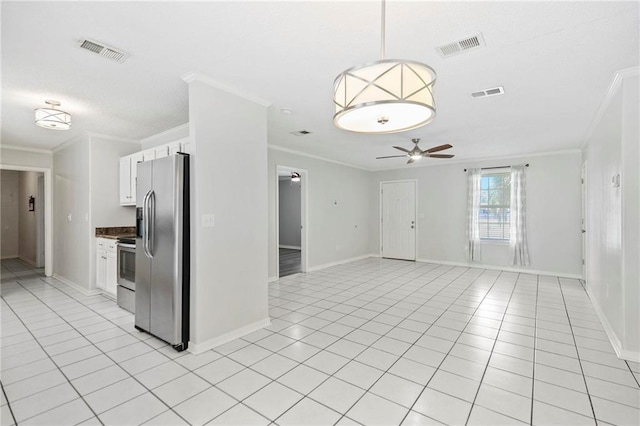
(385, 96)
(52, 118)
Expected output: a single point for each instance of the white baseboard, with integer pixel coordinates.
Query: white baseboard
(611, 334)
(14, 256)
(198, 348)
(28, 261)
(502, 268)
(339, 262)
(76, 286)
(272, 279)
(290, 247)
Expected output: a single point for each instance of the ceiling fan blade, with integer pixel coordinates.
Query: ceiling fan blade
(391, 156)
(440, 155)
(401, 148)
(438, 148)
(411, 160)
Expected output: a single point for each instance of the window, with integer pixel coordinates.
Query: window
(495, 200)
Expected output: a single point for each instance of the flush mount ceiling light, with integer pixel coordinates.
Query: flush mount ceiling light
(295, 177)
(385, 96)
(52, 118)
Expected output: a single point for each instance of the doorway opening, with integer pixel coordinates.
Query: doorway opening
(398, 219)
(291, 190)
(26, 221)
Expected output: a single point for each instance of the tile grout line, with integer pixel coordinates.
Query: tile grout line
(8, 405)
(506, 308)
(593, 411)
(454, 343)
(535, 341)
(61, 372)
(104, 353)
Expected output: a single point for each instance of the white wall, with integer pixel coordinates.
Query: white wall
(27, 158)
(86, 186)
(105, 189)
(289, 211)
(553, 213)
(613, 217)
(71, 213)
(27, 227)
(338, 214)
(9, 222)
(229, 294)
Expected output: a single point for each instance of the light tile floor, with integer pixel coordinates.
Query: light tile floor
(371, 342)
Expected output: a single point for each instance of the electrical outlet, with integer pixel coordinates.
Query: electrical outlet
(208, 220)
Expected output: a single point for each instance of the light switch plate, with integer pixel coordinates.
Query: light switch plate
(208, 220)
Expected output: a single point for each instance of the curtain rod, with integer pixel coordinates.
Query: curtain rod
(496, 167)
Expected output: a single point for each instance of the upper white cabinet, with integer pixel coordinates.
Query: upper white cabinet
(129, 167)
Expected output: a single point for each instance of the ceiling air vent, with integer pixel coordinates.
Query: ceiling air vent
(461, 46)
(103, 50)
(488, 92)
(301, 133)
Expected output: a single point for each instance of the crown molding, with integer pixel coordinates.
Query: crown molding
(196, 76)
(113, 138)
(27, 149)
(315, 157)
(484, 159)
(70, 142)
(618, 78)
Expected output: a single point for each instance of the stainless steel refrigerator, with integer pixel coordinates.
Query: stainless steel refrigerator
(162, 249)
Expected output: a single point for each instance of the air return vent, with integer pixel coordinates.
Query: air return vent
(494, 91)
(301, 133)
(103, 50)
(461, 46)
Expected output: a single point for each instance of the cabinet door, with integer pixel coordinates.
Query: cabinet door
(149, 155)
(101, 269)
(174, 147)
(135, 159)
(162, 151)
(185, 147)
(112, 272)
(125, 181)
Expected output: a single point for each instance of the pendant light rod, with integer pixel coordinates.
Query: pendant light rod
(383, 47)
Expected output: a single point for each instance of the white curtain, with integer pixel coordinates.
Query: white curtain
(473, 211)
(518, 212)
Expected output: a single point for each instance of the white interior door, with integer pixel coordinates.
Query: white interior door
(399, 220)
(584, 220)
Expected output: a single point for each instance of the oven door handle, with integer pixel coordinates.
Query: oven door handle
(146, 228)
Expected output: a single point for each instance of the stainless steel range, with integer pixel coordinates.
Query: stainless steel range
(127, 274)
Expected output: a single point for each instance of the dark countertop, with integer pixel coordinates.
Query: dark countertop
(115, 232)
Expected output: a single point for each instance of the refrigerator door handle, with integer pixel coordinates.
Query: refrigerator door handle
(145, 219)
(152, 223)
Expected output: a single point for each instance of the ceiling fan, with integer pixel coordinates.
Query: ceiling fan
(416, 153)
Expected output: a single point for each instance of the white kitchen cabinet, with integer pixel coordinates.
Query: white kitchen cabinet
(162, 151)
(135, 159)
(129, 167)
(174, 148)
(149, 154)
(107, 266)
(126, 196)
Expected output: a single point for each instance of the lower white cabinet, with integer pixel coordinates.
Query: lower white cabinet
(107, 266)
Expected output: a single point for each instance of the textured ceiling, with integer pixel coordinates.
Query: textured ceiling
(555, 60)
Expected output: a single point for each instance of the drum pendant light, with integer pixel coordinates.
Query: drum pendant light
(52, 118)
(386, 96)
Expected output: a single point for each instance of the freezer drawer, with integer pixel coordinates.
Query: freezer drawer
(127, 299)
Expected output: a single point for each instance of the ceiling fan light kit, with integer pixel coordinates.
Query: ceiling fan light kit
(52, 118)
(416, 153)
(385, 96)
